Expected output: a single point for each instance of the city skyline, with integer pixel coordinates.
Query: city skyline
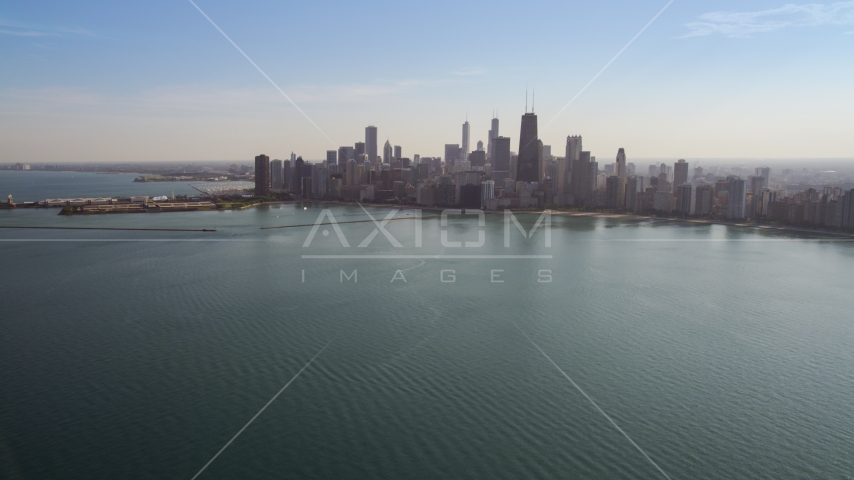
(697, 83)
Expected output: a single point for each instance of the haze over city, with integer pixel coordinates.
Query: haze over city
(157, 82)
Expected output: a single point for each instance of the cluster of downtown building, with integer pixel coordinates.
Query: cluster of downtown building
(495, 178)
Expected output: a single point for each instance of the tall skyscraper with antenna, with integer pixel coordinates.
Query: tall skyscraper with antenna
(466, 145)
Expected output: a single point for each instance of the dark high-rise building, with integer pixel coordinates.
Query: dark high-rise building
(286, 175)
(371, 144)
(471, 196)
(360, 150)
(262, 175)
(528, 164)
(680, 174)
(612, 191)
(299, 167)
(331, 157)
(500, 158)
(477, 158)
(398, 152)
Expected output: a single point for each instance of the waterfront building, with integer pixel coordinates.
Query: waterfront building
(287, 173)
(262, 175)
(736, 197)
(299, 171)
(276, 178)
(703, 199)
(632, 189)
(685, 199)
(661, 201)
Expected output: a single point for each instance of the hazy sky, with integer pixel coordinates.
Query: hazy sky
(154, 80)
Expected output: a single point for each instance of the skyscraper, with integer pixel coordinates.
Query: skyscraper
(765, 173)
(528, 164)
(573, 151)
(452, 154)
(359, 151)
(582, 171)
(466, 148)
(299, 166)
(685, 199)
(736, 198)
(262, 175)
(621, 164)
(680, 174)
(286, 175)
(371, 143)
(387, 152)
(331, 157)
(398, 152)
(500, 154)
(493, 133)
(276, 174)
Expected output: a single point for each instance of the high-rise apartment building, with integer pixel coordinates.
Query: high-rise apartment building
(765, 173)
(736, 198)
(528, 164)
(262, 175)
(371, 143)
(573, 151)
(276, 174)
(287, 171)
(583, 170)
(703, 199)
(299, 169)
(685, 199)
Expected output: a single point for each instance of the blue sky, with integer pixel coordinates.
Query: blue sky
(134, 81)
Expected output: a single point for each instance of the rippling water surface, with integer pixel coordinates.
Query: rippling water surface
(722, 352)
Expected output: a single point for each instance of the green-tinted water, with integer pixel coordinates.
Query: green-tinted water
(722, 352)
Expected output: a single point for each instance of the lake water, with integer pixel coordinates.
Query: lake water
(721, 352)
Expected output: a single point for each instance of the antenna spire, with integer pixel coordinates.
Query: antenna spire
(533, 99)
